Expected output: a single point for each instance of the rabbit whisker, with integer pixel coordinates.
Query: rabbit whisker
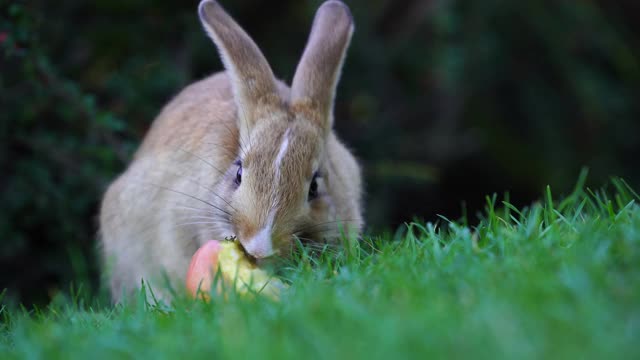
(182, 207)
(202, 217)
(241, 144)
(192, 197)
(305, 228)
(211, 191)
(220, 146)
(202, 159)
(319, 246)
(198, 222)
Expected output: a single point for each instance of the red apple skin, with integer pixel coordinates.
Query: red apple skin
(203, 267)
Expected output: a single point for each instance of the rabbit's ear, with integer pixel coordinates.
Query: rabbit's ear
(252, 80)
(314, 83)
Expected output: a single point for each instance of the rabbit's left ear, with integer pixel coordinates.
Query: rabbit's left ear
(253, 82)
(315, 80)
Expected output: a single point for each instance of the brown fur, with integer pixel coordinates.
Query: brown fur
(180, 190)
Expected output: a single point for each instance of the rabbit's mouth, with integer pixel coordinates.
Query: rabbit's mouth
(252, 259)
(267, 262)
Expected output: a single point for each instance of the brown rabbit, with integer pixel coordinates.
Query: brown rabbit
(238, 154)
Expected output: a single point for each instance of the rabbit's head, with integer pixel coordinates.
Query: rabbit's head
(278, 184)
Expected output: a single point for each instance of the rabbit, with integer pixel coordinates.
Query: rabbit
(236, 155)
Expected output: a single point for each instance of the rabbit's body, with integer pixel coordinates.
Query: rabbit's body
(186, 184)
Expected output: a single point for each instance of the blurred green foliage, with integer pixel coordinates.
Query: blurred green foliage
(443, 101)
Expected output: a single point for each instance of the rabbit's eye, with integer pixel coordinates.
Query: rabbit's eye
(313, 188)
(239, 175)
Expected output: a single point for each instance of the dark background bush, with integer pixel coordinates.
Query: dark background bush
(443, 101)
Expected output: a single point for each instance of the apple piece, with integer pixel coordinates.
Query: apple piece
(204, 264)
(235, 268)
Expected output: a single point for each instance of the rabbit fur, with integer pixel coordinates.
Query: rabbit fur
(238, 154)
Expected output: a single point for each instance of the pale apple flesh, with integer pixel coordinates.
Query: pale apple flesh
(228, 260)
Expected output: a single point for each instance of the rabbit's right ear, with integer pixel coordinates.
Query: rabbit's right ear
(315, 80)
(252, 80)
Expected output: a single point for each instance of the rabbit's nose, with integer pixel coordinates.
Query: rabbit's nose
(259, 246)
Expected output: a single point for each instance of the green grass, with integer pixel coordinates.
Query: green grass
(559, 279)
